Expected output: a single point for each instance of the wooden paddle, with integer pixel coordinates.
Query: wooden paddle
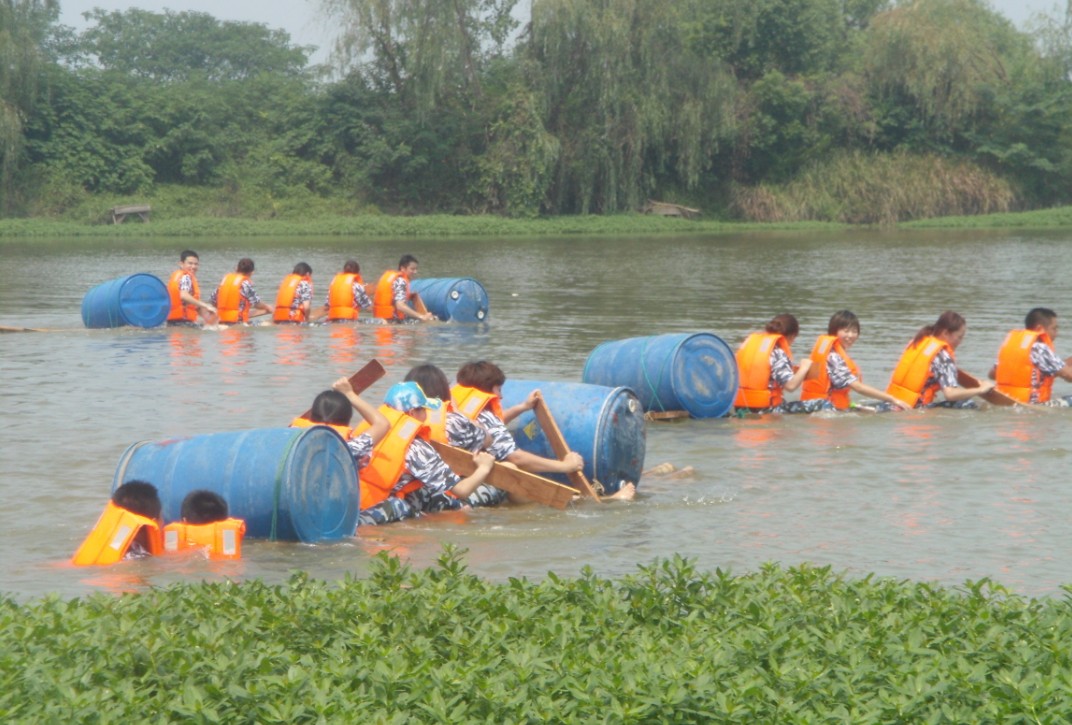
(523, 484)
(994, 396)
(558, 445)
(366, 376)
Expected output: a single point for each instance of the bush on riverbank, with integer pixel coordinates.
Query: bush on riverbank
(860, 188)
(666, 644)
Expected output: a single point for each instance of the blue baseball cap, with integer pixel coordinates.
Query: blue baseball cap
(405, 397)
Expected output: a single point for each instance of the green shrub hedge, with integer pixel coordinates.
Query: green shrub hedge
(667, 644)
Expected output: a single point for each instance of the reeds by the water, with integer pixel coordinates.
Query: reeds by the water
(860, 188)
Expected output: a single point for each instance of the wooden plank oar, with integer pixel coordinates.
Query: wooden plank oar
(558, 445)
(994, 396)
(523, 484)
(366, 376)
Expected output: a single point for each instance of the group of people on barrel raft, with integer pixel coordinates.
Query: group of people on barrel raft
(401, 473)
(235, 300)
(1027, 365)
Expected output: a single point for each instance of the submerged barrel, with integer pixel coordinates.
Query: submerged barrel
(139, 299)
(288, 484)
(694, 372)
(459, 299)
(605, 425)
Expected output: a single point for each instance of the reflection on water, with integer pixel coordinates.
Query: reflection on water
(943, 495)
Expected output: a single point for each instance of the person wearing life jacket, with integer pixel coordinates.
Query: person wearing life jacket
(393, 300)
(834, 374)
(185, 293)
(1028, 364)
(335, 409)
(765, 366)
(129, 528)
(445, 424)
(477, 397)
(236, 299)
(928, 366)
(405, 476)
(207, 526)
(294, 300)
(347, 295)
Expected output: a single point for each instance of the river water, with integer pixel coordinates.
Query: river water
(939, 496)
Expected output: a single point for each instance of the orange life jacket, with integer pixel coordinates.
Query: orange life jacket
(1014, 373)
(223, 539)
(912, 372)
(383, 300)
(757, 390)
(819, 386)
(470, 401)
(436, 422)
(341, 296)
(342, 430)
(112, 535)
(229, 302)
(388, 461)
(284, 301)
(181, 310)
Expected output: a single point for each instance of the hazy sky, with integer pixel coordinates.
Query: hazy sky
(302, 20)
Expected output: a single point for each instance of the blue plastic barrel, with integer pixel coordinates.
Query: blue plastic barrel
(605, 425)
(140, 300)
(694, 372)
(288, 484)
(459, 299)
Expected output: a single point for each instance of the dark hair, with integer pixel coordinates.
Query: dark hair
(481, 375)
(203, 507)
(331, 407)
(783, 324)
(842, 320)
(302, 268)
(948, 321)
(406, 260)
(1039, 316)
(351, 267)
(432, 380)
(245, 265)
(186, 254)
(138, 497)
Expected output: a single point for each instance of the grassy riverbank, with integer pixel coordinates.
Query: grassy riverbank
(437, 226)
(668, 644)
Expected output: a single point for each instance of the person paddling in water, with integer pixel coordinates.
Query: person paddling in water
(835, 375)
(477, 396)
(928, 366)
(765, 362)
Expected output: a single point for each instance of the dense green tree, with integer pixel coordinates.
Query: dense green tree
(791, 37)
(940, 59)
(170, 46)
(24, 25)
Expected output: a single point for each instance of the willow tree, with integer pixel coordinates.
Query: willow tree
(632, 107)
(941, 58)
(24, 24)
(426, 52)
